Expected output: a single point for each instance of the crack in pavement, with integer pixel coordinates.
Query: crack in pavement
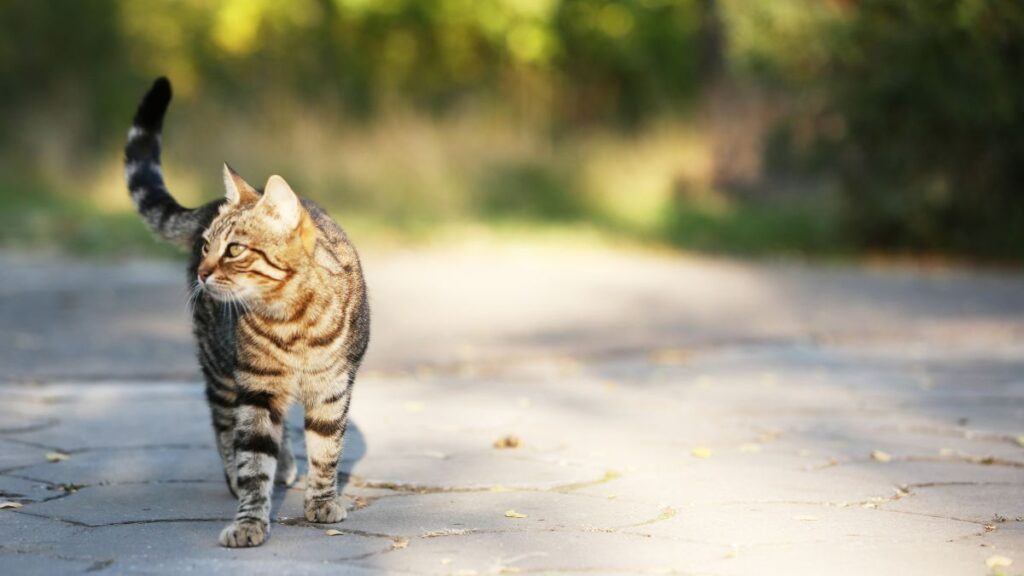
(954, 432)
(411, 488)
(29, 428)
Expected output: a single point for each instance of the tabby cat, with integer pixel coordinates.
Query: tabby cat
(280, 313)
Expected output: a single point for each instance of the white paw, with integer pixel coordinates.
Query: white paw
(244, 534)
(326, 511)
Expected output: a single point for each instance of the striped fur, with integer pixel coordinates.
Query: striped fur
(280, 315)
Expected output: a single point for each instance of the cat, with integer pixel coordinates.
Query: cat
(280, 314)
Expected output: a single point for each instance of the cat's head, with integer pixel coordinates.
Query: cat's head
(256, 244)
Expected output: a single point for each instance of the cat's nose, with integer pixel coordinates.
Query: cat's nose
(203, 275)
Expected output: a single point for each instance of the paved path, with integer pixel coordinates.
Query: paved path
(674, 415)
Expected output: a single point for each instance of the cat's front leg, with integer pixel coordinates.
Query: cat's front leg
(326, 419)
(258, 436)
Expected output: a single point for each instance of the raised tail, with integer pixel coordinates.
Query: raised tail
(161, 212)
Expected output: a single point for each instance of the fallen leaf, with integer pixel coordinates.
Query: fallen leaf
(445, 532)
(701, 452)
(998, 561)
(56, 456)
(880, 456)
(333, 532)
(9, 504)
(1020, 440)
(506, 442)
(669, 356)
(400, 543)
(513, 514)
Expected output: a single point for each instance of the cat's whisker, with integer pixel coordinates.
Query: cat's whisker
(193, 297)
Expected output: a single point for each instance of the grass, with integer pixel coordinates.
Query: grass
(412, 180)
(33, 218)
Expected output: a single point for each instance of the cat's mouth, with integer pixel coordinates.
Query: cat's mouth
(223, 293)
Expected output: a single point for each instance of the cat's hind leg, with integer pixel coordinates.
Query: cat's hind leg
(286, 468)
(222, 396)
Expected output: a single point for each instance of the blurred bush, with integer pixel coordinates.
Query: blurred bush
(931, 98)
(917, 108)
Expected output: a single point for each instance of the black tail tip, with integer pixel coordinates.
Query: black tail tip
(150, 115)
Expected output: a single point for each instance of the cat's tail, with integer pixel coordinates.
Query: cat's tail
(162, 213)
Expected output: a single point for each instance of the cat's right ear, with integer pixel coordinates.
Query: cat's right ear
(237, 190)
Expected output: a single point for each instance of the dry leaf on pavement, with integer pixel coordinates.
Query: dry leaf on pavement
(998, 561)
(701, 452)
(506, 442)
(513, 514)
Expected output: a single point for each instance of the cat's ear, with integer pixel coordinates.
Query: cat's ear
(280, 204)
(236, 189)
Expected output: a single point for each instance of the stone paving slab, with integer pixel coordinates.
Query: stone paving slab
(693, 417)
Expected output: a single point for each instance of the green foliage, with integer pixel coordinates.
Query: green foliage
(917, 107)
(932, 97)
(573, 60)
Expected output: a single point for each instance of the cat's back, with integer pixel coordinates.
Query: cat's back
(329, 230)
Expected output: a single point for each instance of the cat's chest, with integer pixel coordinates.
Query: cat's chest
(295, 345)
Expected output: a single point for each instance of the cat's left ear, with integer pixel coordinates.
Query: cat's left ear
(280, 204)
(236, 189)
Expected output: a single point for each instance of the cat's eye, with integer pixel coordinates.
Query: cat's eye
(235, 249)
(205, 249)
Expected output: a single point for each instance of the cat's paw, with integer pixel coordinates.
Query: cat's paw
(326, 511)
(287, 473)
(244, 534)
